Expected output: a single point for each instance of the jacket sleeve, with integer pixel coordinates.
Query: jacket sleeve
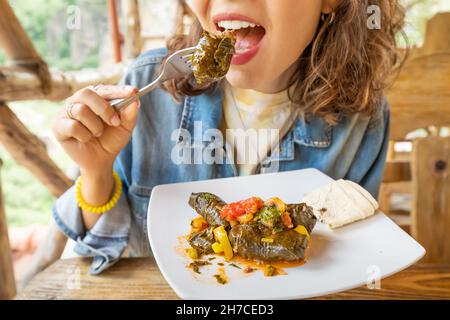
(107, 240)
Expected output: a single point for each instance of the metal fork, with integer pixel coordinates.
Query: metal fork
(178, 65)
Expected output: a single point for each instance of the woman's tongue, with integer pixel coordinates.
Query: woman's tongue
(248, 38)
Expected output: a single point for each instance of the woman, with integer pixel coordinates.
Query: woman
(311, 70)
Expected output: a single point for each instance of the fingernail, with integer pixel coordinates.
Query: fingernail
(115, 120)
(129, 88)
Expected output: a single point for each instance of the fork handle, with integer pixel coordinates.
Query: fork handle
(119, 104)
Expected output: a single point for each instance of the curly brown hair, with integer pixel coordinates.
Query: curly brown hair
(344, 70)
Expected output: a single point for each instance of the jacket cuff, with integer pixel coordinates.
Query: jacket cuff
(106, 241)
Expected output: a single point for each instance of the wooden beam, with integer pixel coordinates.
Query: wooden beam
(30, 152)
(133, 39)
(183, 11)
(7, 281)
(114, 30)
(19, 84)
(19, 48)
(152, 37)
(13, 38)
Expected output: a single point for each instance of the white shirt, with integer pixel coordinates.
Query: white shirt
(255, 123)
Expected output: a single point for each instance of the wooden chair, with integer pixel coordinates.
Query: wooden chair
(431, 197)
(420, 98)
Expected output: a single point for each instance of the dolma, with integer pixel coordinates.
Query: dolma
(208, 206)
(247, 242)
(212, 57)
(202, 241)
(301, 214)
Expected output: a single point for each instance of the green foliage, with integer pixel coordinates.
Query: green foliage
(26, 200)
(35, 17)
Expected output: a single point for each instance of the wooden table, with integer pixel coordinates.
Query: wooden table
(140, 278)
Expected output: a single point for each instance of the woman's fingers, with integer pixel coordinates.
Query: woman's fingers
(129, 114)
(88, 118)
(97, 104)
(67, 129)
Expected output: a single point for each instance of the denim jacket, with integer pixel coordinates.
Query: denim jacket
(355, 149)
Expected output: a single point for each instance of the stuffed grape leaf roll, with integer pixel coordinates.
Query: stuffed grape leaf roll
(212, 57)
(250, 241)
(202, 241)
(303, 215)
(208, 206)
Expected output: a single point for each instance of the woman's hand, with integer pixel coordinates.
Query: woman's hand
(91, 131)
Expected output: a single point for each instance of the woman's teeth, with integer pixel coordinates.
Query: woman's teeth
(236, 24)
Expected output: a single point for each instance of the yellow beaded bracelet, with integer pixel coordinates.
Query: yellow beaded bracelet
(100, 209)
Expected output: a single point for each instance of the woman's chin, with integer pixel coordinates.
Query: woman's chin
(250, 75)
(244, 79)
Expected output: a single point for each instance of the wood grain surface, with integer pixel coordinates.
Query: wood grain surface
(431, 197)
(139, 278)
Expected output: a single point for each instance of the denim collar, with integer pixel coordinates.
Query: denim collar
(307, 131)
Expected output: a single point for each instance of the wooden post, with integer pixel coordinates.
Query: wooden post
(431, 197)
(29, 151)
(183, 10)
(18, 46)
(7, 282)
(133, 38)
(114, 29)
(437, 38)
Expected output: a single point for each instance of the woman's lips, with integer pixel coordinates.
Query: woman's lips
(233, 16)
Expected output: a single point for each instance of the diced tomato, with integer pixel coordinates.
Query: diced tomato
(234, 210)
(287, 221)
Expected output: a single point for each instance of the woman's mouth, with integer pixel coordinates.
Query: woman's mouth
(249, 35)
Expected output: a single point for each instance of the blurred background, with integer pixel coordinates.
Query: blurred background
(88, 46)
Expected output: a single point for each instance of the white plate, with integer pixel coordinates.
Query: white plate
(338, 260)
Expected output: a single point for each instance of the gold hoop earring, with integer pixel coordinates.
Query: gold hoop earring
(331, 16)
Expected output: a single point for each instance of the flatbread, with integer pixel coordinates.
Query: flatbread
(339, 203)
(365, 193)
